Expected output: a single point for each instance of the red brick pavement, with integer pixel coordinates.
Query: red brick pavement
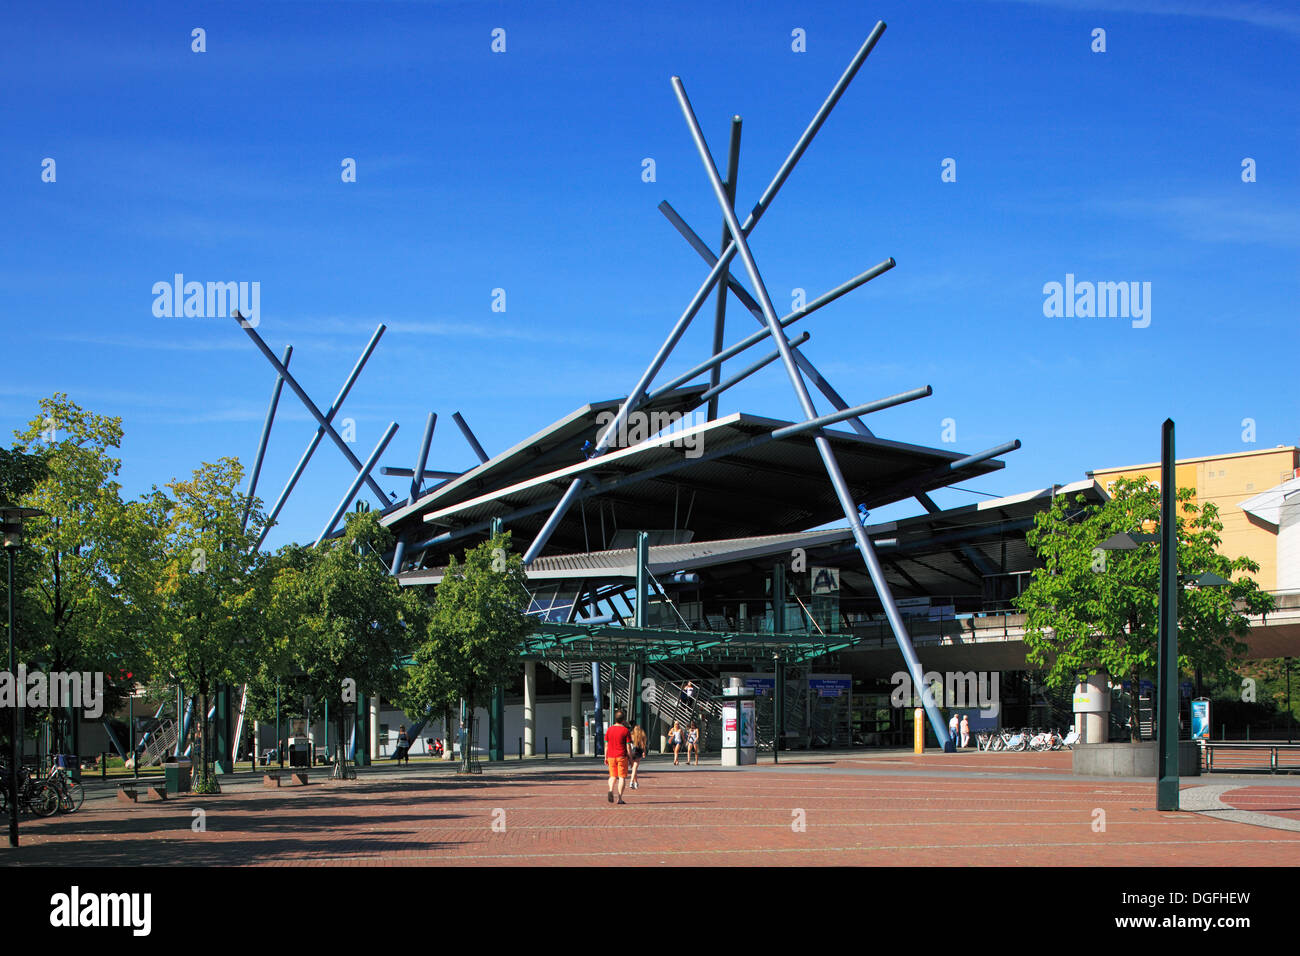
(1275, 801)
(880, 811)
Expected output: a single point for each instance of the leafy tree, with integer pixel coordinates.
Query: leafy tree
(85, 599)
(349, 625)
(211, 590)
(472, 641)
(1089, 610)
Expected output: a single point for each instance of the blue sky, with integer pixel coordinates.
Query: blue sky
(522, 170)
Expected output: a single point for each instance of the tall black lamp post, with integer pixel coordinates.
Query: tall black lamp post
(1167, 665)
(11, 529)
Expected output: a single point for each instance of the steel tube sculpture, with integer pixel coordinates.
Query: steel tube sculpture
(362, 476)
(711, 394)
(805, 400)
(266, 435)
(834, 417)
(320, 433)
(417, 478)
(720, 310)
(315, 412)
(469, 437)
(765, 200)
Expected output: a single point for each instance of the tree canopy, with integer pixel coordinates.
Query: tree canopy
(1089, 610)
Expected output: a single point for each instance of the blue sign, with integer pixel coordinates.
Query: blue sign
(762, 686)
(831, 686)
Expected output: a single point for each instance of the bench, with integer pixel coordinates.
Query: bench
(299, 776)
(132, 790)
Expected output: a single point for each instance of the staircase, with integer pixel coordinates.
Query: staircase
(161, 742)
(664, 696)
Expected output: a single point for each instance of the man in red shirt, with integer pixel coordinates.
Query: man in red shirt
(616, 739)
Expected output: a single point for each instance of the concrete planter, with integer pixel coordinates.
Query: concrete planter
(1132, 760)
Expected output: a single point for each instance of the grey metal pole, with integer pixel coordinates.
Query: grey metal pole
(832, 418)
(720, 310)
(320, 432)
(130, 732)
(362, 475)
(266, 435)
(417, 478)
(312, 409)
(1167, 714)
(469, 437)
(16, 755)
(711, 395)
(810, 411)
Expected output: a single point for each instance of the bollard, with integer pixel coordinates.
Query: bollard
(103, 767)
(546, 748)
(521, 748)
(570, 747)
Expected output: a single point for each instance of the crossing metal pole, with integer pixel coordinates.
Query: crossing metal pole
(823, 444)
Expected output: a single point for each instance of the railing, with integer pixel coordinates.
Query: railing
(1224, 756)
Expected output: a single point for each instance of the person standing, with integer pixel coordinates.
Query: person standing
(952, 728)
(693, 744)
(403, 746)
(675, 738)
(965, 730)
(616, 751)
(639, 747)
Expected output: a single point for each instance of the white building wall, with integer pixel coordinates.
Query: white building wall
(1288, 544)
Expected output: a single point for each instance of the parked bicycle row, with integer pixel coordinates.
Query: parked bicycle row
(42, 796)
(1026, 738)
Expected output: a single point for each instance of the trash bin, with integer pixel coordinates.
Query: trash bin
(176, 774)
(299, 752)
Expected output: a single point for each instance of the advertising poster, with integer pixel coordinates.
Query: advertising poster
(747, 734)
(1201, 719)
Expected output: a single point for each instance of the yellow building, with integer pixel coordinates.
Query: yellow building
(1227, 481)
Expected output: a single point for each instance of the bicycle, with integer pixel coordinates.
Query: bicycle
(71, 795)
(35, 796)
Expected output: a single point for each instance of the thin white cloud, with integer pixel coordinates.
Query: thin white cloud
(1281, 16)
(1216, 218)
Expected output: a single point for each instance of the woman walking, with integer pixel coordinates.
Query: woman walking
(693, 743)
(639, 746)
(675, 738)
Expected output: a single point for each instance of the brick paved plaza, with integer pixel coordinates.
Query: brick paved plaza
(861, 809)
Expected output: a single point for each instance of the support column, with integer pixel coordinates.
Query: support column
(575, 715)
(778, 708)
(373, 728)
(598, 744)
(497, 724)
(778, 598)
(642, 576)
(362, 733)
(221, 731)
(530, 708)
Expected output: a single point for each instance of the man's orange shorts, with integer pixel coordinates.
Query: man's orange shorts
(617, 766)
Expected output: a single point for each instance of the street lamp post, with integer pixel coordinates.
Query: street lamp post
(1167, 662)
(11, 526)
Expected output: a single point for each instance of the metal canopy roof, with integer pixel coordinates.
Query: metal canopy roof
(555, 446)
(604, 643)
(721, 479)
(921, 554)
